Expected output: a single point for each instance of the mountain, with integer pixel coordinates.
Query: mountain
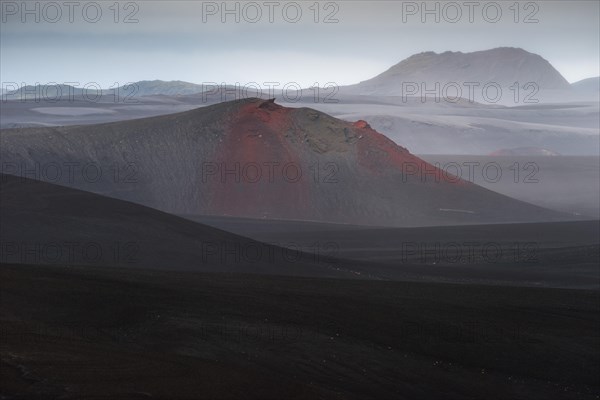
(503, 66)
(51, 93)
(587, 89)
(255, 158)
(92, 93)
(589, 85)
(207, 93)
(524, 151)
(158, 87)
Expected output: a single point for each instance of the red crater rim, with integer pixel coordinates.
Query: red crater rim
(362, 124)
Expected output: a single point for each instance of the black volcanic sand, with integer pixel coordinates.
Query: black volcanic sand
(87, 333)
(44, 223)
(50, 224)
(553, 254)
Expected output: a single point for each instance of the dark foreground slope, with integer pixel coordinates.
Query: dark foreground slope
(254, 158)
(549, 254)
(44, 223)
(55, 225)
(85, 333)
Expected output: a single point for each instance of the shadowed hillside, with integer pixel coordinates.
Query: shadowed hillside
(50, 224)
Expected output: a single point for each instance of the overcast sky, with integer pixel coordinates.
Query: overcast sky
(350, 41)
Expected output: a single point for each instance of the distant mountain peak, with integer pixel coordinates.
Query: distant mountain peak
(502, 65)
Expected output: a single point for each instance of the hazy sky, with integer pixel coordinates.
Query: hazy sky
(278, 41)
